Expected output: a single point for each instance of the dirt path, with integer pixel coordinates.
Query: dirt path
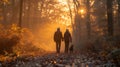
(56, 60)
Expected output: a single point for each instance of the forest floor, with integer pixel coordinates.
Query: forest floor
(56, 60)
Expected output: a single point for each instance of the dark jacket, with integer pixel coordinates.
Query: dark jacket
(58, 36)
(67, 37)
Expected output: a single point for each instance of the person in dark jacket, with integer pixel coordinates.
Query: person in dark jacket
(67, 40)
(58, 38)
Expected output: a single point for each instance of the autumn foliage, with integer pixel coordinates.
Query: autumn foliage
(16, 41)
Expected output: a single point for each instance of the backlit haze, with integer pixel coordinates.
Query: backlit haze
(44, 34)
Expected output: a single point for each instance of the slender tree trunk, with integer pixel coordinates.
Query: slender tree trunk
(1, 14)
(118, 1)
(71, 17)
(4, 15)
(20, 14)
(119, 11)
(14, 12)
(77, 5)
(88, 19)
(110, 17)
(28, 13)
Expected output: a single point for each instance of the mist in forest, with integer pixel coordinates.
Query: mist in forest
(92, 23)
(45, 36)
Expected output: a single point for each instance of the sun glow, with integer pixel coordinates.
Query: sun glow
(82, 11)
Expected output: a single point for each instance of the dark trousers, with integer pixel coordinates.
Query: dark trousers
(58, 45)
(66, 47)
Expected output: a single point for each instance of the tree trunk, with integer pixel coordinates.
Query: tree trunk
(119, 11)
(77, 20)
(28, 13)
(20, 14)
(14, 12)
(76, 5)
(71, 17)
(110, 17)
(4, 15)
(88, 19)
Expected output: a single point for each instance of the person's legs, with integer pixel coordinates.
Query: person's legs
(57, 47)
(66, 47)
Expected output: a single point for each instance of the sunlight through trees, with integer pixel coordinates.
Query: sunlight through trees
(94, 24)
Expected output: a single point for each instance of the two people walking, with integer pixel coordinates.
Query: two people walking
(58, 38)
